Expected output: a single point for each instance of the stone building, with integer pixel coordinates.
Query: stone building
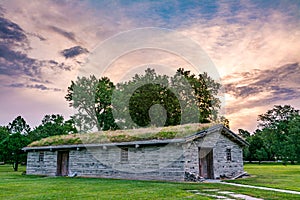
(213, 153)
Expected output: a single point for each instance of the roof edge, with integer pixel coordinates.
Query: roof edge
(241, 140)
(218, 127)
(52, 147)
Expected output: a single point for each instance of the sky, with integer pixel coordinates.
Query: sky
(44, 45)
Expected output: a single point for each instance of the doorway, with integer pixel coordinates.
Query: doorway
(206, 169)
(62, 163)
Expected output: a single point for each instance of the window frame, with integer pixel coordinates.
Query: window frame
(228, 155)
(41, 156)
(124, 155)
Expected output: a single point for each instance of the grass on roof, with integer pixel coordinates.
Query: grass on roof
(140, 134)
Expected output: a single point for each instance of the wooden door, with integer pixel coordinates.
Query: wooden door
(62, 163)
(206, 168)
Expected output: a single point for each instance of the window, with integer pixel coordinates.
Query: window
(124, 154)
(228, 154)
(41, 156)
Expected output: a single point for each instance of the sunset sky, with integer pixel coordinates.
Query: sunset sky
(254, 46)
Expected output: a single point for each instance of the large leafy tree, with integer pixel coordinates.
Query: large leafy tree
(92, 98)
(183, 98)
(276, 128)
(11, 148)
(277, 116)
(146, 100)
(12, 144)
(278, 134)
(205, 90)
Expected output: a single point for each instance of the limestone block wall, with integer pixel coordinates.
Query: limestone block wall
(146, 163)
(45, 167)
(191, 151)
(219, 143)
(222, 167)
(191, 164)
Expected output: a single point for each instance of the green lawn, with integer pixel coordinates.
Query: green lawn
(13, 185)
(273, 175)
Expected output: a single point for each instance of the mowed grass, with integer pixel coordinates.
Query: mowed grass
(13, 185)
(273, 175)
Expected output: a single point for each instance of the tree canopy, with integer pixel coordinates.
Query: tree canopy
(149, 99)
(52, 125)
(278, 136)
(18, 134)
(92, 99)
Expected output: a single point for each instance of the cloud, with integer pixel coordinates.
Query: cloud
(34, 86)
(39, 80)
(68, 35)
(252, 93)
(248, 35)
(73, 51)
(17, 63)
(282, 82)
(41, 38)
(11, 33)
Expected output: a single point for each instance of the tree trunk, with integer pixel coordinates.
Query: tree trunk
(16, 165)
(292, 162)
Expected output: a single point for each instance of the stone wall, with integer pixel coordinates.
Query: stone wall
(191, 164)
(224, 168)
(219, 143)
(45, 167)
(145, 162)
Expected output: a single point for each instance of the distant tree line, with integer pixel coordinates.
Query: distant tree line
(17, 134)
(277, 136)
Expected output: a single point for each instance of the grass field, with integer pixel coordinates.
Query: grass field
(273, 175)
(13, 185)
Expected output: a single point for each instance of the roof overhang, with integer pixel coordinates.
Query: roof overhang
(75, 146)
(221, 129)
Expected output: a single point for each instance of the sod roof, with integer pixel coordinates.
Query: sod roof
(119, 136)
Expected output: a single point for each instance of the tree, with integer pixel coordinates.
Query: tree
(205, 90)
(256, 150)
(19, 125)
(52, 125)
(223, 120)
(92, 98)
(4, 133)
(278, 125)
(279, 135)
(292, 147)
(244, 133)
(273, 117)
(184, 98)
(11, 148)
(146, 100)
(17, 139)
